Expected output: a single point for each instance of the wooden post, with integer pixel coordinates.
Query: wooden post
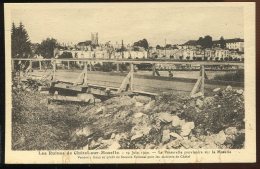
(54, 70)
(68, 64)
(202, 78)
(132, 77)
(40, 64)
(90, 68)
(85, 73)
(153, 69)
(85, 65)
(117, 67)
(30, 64)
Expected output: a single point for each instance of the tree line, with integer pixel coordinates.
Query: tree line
(21, 46)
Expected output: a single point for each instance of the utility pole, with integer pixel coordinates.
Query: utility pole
(165, 48)
(122, 47)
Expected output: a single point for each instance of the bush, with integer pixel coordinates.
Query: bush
(66, 55)
(237, 76)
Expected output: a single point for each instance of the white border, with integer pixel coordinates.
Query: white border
(237, 156)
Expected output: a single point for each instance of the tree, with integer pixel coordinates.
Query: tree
(158, 47)
(222, 43)
(20, 42)
(66, 55)
(168, 46)
(46, 48)
(142, 43)
(205, 42)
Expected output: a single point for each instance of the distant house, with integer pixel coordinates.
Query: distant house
(236, 44)
(209, 54)
(84, 45)
(191, 44)
(188, 54)
(221, 53)
(233, 44)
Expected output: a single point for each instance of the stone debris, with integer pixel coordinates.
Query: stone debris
(134, 137)
(186, 128)
(142, 99)
(137, 115)
(138, 104)
(175, 135)
(165, 117)
(220, 138)
(199, 103)
(113, 135)
(209, 100)
(165, 136)
(114, 146)
(199, 94)
(231, 131)
(216, 90)
(83, 132)
(149, 106)
(166, 122)
(176, 121)
(229, 88)
(241, 91)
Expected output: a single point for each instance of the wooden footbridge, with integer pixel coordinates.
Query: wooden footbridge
(82, 85)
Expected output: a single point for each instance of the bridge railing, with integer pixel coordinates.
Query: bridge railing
(199, 85)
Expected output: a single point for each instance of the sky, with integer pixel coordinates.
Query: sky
(159, 22)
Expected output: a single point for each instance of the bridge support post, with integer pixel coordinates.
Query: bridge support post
(30, 66)
(198, 89)
(85, 73)
(68, 64)
(117, 67)
(82, 79)
(132, 77)
(128, 82)
(54, 70)
(153, 69)
(202, 79)
(40, 65)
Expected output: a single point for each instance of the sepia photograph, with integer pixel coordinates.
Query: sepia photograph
(144, 78)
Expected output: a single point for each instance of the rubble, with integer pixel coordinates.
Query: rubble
(124, 122)
(216, 90)
(231, 131)
(165, 117)
(186, 128)
(240, 91)
(165, 136)
(199, 103)
(137, 115)
(142, 99)
(229, 88)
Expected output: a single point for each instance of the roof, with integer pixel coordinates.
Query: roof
(191, 42)
(86, 43)
(229, 40)
(234, 40)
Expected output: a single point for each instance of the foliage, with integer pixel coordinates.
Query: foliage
(20, 42)
(142, 43)
(46, 48)
(159, 47)
(238, 76)
(66, 55)
(222, 42)
(205, 42)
